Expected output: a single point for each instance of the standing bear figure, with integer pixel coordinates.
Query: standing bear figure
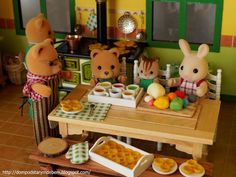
(42, 86)
(193, 70)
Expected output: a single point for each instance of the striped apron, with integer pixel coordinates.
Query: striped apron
(41, 109)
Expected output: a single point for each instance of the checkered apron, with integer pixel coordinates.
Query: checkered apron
(42, 106)
(189, 88)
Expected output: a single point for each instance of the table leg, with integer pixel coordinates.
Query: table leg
(197, 151)
(63, 128)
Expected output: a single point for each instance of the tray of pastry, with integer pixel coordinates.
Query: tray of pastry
(120, 157)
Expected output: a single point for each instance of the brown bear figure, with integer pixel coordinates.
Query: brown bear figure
(42, 86)
(105, 66)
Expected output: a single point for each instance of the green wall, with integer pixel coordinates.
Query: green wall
(226, 59)
(12, 43)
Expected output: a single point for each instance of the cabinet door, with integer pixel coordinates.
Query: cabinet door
(85, 69)
(71, 63)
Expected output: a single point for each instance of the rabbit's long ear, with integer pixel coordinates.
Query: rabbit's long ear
(203, 50)
(184, 46)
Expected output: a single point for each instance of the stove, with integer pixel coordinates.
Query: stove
(84, 52)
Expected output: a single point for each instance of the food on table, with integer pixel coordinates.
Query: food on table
(71, 105)
(98, 46)
(119, 154)
(161, 102)
(191, 167)
(185, 102)
(191, 162)
(188, 169)
(192, 98)
(176, 104)
(164, 164)
(156, 90)
(180, 94)
(148, 98)
(171, 95)
(122, 50)
(151, 102)
(124, 44)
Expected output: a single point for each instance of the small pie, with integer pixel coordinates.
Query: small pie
(192, 166)
(119, 154)
(122, 50)
(98, 46)
(71, 105)
(164, 164)
(124, 44)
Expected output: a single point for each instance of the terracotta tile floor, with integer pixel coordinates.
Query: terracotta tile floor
(17, 141)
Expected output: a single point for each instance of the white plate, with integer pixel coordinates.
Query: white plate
(74, 112)
(157, 169)
(190, 175)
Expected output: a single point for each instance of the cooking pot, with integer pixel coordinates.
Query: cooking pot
(72, 42)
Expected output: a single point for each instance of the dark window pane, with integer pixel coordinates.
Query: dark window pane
(58, 15)
(29, 9)
(200, 23)
(166, 21)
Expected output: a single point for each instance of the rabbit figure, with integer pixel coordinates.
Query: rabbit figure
(193, 70)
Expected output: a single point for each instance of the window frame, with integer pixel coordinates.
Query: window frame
(43, 9)
(215, 47)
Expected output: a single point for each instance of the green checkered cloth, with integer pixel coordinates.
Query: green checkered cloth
(78, 153)
(92, 21)
(99, 113)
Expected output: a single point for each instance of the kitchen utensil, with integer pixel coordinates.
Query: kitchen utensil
(78, 29)
(141, 35)
(127, 23)
(72, 41)
(92, 108)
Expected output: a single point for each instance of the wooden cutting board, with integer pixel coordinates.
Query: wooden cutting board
(189, 111)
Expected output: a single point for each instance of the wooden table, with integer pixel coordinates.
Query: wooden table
(92, 169)
(138, 124)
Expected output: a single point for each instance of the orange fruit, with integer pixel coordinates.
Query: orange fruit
(171, 96)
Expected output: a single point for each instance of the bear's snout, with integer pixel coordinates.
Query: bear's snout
(106, 73)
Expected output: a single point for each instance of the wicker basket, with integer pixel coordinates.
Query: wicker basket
(16, 73)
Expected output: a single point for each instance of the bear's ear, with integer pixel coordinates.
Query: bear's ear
(94, 52)
(38, 49)
(115, 52)
(39, 22)
(48, 41)
(40, 15)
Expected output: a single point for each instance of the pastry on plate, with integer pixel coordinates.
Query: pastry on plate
(119, 154)
(124, 44)
(164, 166)
(191, 168)
(69, 105)
(98, 46)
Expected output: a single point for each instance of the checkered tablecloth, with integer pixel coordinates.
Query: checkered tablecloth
(99, 113)
(78, 153)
